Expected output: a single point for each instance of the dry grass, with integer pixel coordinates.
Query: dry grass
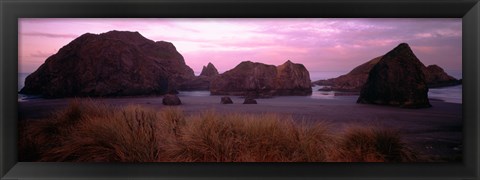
(89, 131)
(372, 144)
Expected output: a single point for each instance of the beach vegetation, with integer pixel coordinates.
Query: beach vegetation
(91, 131)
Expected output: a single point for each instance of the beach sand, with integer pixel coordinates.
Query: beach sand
(435, 131)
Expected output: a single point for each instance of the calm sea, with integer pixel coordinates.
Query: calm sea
(448, 94)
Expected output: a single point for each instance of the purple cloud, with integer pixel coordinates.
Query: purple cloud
(50, 35)
(319, 44)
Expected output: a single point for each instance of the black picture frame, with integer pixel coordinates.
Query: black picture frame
(10, 11)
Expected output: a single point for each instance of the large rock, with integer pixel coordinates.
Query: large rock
(397, 80)
(292, 79)
(116, 63)
(209, 70)
(261, 80)
(353, 81)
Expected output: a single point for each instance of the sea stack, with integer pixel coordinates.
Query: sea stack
(209, 70)
(354, 80)
(261, 80)
(116, 63)
(436, 77)
(292, 79)
(396, 80)
(247, 78)
(202, 82)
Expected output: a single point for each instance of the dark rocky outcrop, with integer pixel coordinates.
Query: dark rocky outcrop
(397, 80)
(292, 79)
(201, 82)
(262, 80)
(436, 77)
(116, 63)
(353, 81)
(226, 100)
(171, 100)
(246, 78)
(209, 70)
(249, 100)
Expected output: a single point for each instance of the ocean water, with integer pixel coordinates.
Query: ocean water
(21, 80)
(316, 75)
(194, 93)
(451, 94)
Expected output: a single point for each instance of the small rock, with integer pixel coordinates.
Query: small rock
(249, 101)
(226, 100)
(171, 100)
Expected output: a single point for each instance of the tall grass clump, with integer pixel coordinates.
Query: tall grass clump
(90, 131)
(372, 144)
(214, 137)
(39, 136)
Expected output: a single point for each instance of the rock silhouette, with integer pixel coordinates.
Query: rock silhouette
(262, 80)
(396, 80)
(436, 77)
(209, 70)
(249, 100)
(171, 100)
(201, 82)
(353, 81)
(115, 63)
(226, 100)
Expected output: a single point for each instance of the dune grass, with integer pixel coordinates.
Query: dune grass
(89, 131)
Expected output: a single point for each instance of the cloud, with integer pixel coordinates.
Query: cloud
(49, 35)
(40, 54)
(320, 44)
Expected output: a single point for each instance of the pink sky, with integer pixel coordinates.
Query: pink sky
(322, 45)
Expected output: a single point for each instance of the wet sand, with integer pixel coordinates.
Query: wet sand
(435, 131)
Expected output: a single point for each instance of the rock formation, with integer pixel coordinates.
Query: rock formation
(226, 100)
(261, 80)
(292, 79)
(436, 77)
(116, 63)
(353, 81)
(397, 80)
(201, 82)
(209, 70)
(171, 100)
(249, 100)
